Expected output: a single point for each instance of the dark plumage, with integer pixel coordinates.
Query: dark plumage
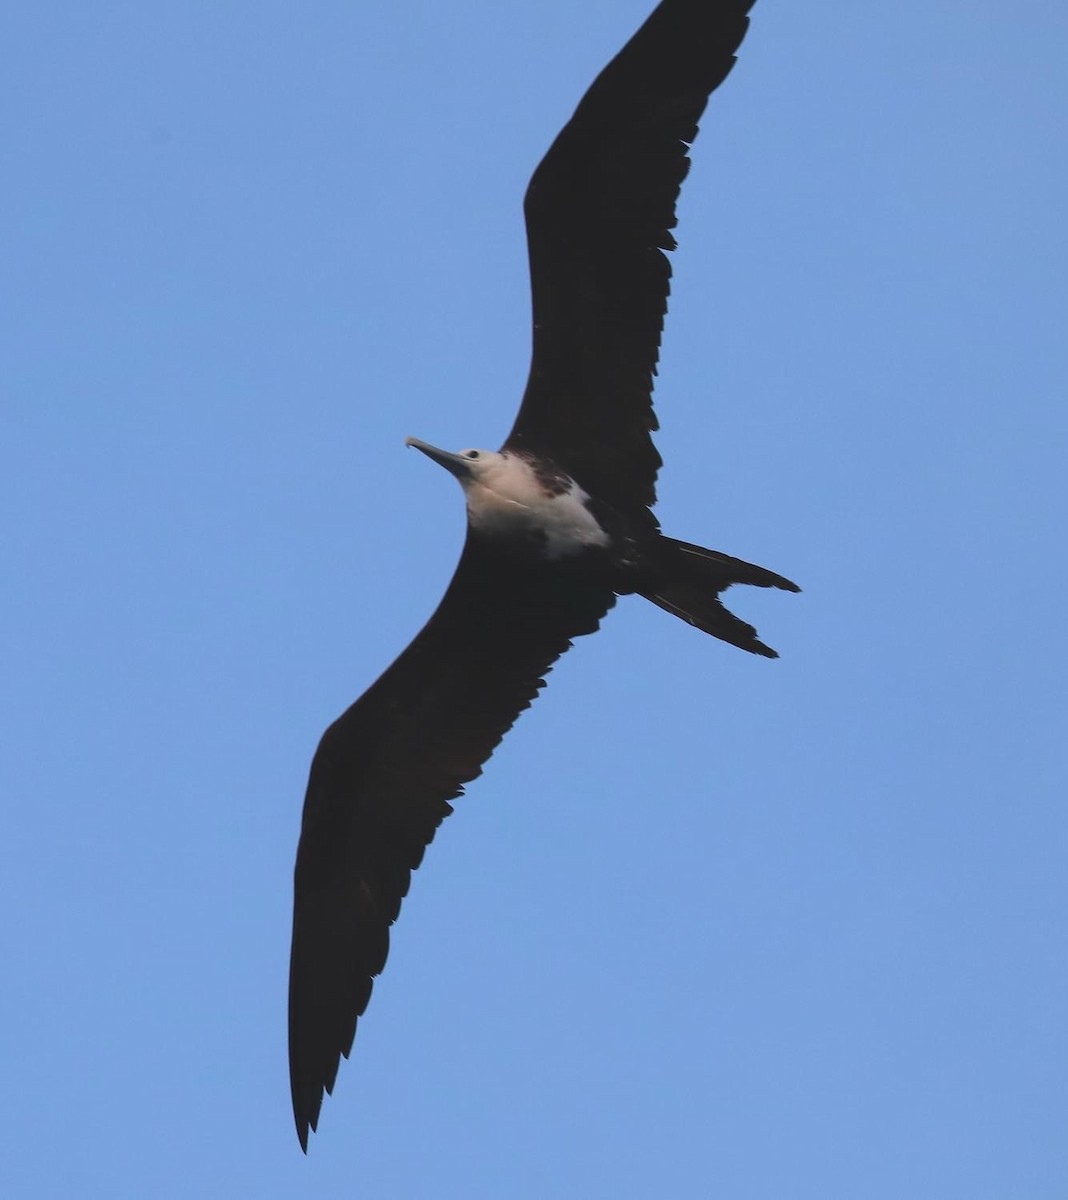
(559, 525)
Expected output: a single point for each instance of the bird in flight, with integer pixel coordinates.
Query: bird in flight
(559, 524)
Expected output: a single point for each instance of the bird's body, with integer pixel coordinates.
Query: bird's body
(559, 525)
(519, 502)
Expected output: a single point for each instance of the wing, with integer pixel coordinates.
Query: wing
(598, 211)
(382, 778)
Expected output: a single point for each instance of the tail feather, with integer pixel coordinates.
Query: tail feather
(690, 580)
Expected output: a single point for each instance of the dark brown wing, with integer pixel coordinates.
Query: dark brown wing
(598, 210)
(384, 774)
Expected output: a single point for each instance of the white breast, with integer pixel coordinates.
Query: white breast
(505, 497)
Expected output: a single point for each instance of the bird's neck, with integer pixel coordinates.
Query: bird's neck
(529, 501)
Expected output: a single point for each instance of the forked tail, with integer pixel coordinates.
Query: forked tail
(690, 581)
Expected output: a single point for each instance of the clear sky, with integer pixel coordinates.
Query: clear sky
(708, 926)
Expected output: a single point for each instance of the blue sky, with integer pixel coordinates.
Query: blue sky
(708, 925)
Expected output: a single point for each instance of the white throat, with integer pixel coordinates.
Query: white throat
(505, 497)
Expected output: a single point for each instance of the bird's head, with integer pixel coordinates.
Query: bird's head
(469, 466)
(501, 489)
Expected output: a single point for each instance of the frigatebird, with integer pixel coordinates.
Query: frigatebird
(559, 524)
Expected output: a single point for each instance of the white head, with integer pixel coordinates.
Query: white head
(505, 496)
(471, 467)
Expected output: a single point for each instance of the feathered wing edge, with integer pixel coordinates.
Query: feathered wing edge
(599, 212)
(383, 777)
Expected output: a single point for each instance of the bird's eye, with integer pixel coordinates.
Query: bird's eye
(470, 454)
